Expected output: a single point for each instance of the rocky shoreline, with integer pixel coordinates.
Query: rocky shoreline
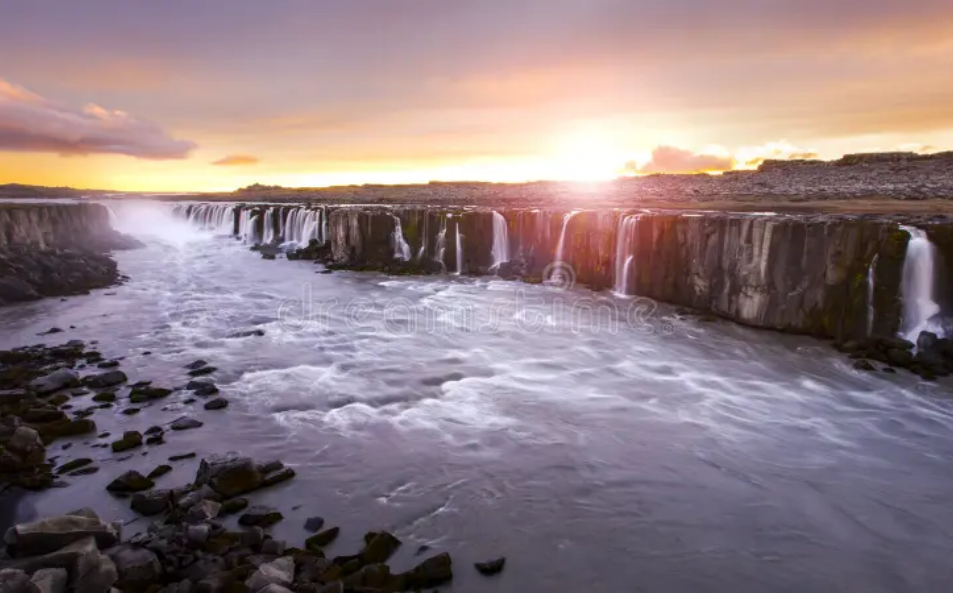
(188, 546)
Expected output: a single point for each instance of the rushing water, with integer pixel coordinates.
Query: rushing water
(623, 261)
(401, 247)
(500, 251)
(919, 308)
(491, 418)
(871, 280)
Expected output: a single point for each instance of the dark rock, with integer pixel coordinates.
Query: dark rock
(80, 392)
(51, 534)
(204, 510)
(131, 411)
(24, 449)
(314, 524)
(137, 567)
(234, 505)
(130, 440)
(151, 503)
(322, 539)
(422, 549)
(279, 572)
(379, 546)
(229, 475)
(864, 365)
(66, 429)
(196, 365)
(899, 358)
(202, 371)
(14, 581)
(105, 396)
(490, 567)
(432, 572)
(52, 330)
(159, 472)
(41, 415)
(49, 580)
(141, 395)
(181, 457)
(129, 482)
(185, 423)
(155, 439)
(109, 364)
(107, 379)
(278, 477)
(154, 430)
(218, 403)
(249, 333)
(260, 516)
(927, 341)
(86, 471)
(206, 390)
(59, 379)
(888, 370)
(73, 465)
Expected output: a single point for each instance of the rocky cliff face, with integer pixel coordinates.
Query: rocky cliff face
(56, 250)
(797, 273)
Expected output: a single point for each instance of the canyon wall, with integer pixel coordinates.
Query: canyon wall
(806, 274)
(56, 250)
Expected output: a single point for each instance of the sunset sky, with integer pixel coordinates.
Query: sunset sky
(215, 94)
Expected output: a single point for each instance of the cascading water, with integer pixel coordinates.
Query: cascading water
(440, 248)
(268, 234)
(623, 261)
(501, 241)
(401, 247)
(919, 308)
(562, 236)
(871, 276)
(459, 251)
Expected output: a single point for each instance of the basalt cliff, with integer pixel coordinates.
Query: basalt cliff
(56, 250)
(829, 276)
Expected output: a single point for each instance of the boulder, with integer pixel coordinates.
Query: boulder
(863, 365)
(202, 371)
(197, 364)
(129, 482)
(248, 333)
(89, 570)
(130, 440)
(59, 379)
(53, 533)
(229, 475)
(145, 394)
(379, 546)
(432, 572)
(260, 516)
(274, 587)
(105, 397)
(219, 403)
(280, 572)
(65, 428)
(42, 415)
(233, 505)
(107, 379)
(490, 567)
(314, 524)
(185, 423)
(322, 539)
(151, 503)
(14, 581)
(159, 471)
(23, 449)
(49, 580)
(73, 465)
(204, 510)
(137, 567)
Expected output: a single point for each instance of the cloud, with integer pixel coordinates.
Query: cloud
(31, 123)
(669, 159)
(750, 157)
(236, 159)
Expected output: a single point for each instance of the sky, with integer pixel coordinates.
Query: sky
(186, 95)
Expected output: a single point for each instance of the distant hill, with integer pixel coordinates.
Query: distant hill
(19, 190)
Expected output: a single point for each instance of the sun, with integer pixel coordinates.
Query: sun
(591, 153)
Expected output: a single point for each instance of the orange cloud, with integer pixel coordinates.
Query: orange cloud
(236, 159)
(31, 123)
(669, 159)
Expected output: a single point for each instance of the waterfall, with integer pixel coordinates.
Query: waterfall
(459, 251)
(401, 248)
(562, 235)
(871, 273)
(440, 248)
(624, 239)
(268, 234)
(247, 223)
(303, 225)
(501, 241)
(917, 286)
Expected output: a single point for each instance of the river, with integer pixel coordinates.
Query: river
(600, 443)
